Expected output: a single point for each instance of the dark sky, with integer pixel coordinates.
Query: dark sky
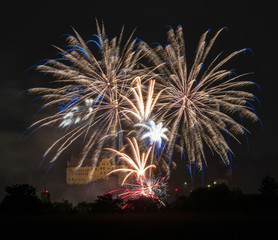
(29, 28)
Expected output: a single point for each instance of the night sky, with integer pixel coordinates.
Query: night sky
(30, 28)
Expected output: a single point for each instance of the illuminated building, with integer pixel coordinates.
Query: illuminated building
(83, 174)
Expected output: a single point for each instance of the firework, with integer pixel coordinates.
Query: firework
(153, 189)
(144, 184)
(138, 163)
(155, 132)
(102, 99)
(89, 95)
(199, 103)
(77, 114)
(143, 108)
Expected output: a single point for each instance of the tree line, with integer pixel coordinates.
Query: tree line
(22, 199)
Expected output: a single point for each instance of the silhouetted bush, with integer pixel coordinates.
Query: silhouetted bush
(63, 207)
(21, 199)
(269, 194)
(84, 207)
(269, 187)
(143, 204)
(106, 204)
(215, 198)
(221, 198)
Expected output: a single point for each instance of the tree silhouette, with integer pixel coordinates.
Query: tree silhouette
(84, 207)
(106, 203)
(21, 198)
(143, 204)
(269, 187)
(63, 206)
(215, 198)
(269, 194)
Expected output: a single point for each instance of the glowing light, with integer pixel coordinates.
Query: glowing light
(199, 103)
(143, 108)
(137, 164)
(154, 189)
(87, 92)
(77, 114)
(101, 99)
(156, 133)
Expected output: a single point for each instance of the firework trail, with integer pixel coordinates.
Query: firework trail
(155, 132)
(90, 90)
(155, 189)
(139, 107)
(103, 100)
(144, 185)
(137, 164)
(199, 104)
(142, 108)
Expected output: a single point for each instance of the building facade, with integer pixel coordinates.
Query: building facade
(87, 173)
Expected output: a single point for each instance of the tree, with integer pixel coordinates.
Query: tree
(215, 198)
(84, 207)
(143, 204)
(107, 204)
(21, 198)
(64, 206)
(269, 187)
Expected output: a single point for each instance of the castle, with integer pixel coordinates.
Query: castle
(87, 173)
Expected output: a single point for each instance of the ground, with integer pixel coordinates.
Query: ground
(230, 225)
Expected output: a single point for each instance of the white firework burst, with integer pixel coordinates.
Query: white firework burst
(155, 132)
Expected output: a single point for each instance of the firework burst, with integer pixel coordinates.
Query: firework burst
(155, 189)
(101, 99)
(154, 132)
(141, 107)
(144, 185)
(89, 95)
(137, 164)
(199, 104)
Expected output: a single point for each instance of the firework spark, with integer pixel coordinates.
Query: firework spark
(155, 132)
(99, 99)
(145, 185)
(77, 114)
(153, 189)
(143, 108)
(90, 90)
(138, 164)
(200, 103)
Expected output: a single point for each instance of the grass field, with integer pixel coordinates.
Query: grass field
(156, 225)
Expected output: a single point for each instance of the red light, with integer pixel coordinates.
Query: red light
(176, 190)
(46, 191)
